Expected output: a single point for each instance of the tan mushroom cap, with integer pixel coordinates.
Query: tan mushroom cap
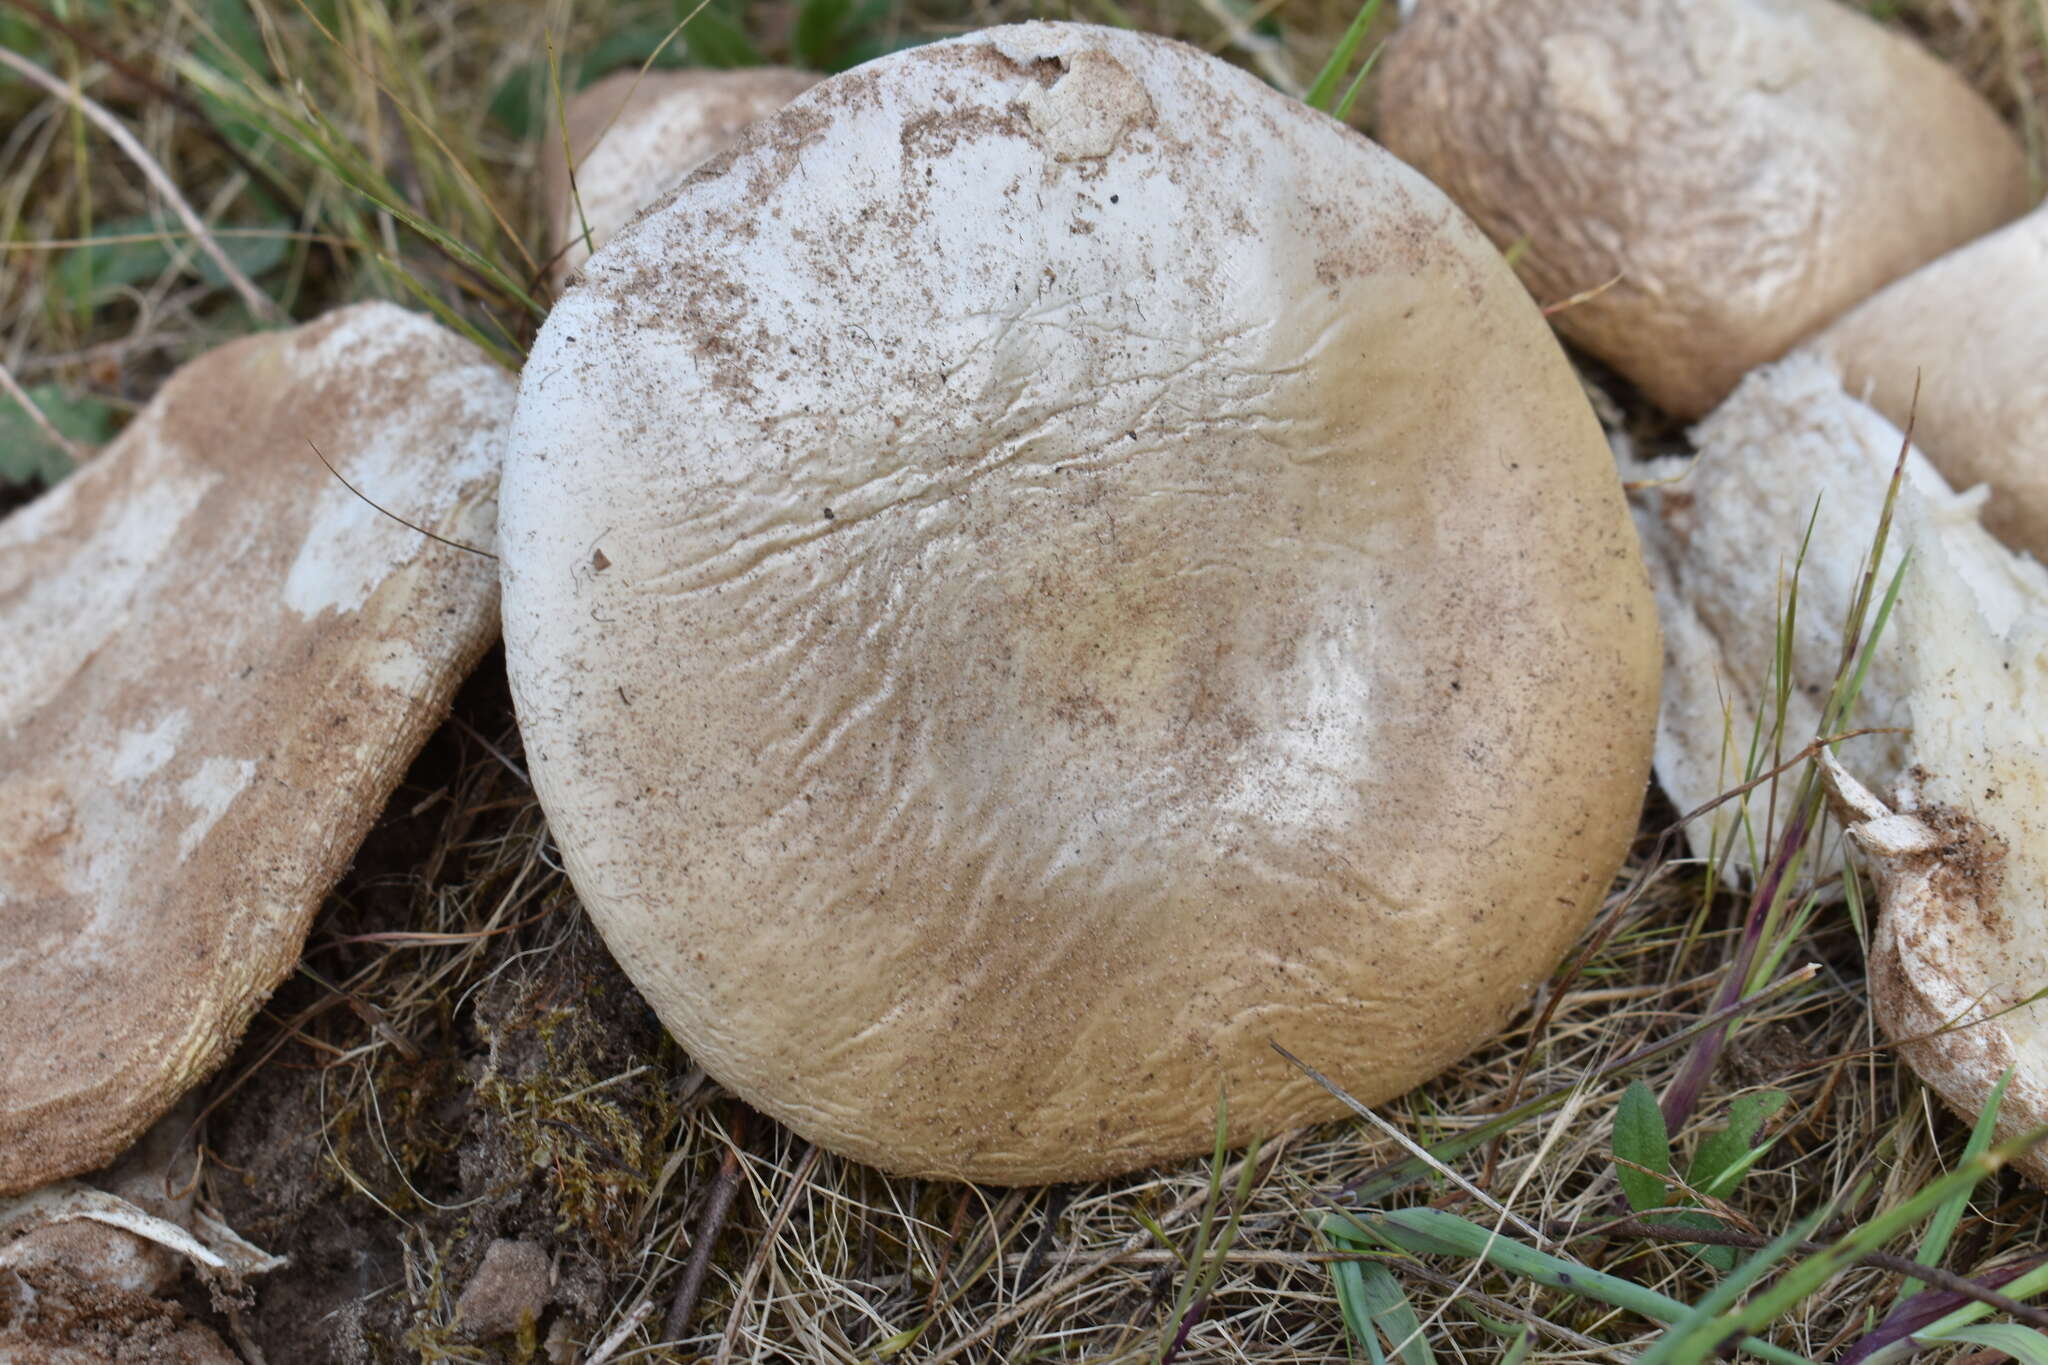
(1052, 569)
(636, 136)
(219, 663)
(1748, 168)
(1973, 329)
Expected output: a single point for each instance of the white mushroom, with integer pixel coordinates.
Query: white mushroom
(1721, 535)
(1728, 175)
(219, 662)
(1962, 866)
(636, 135)
(1962, 670)
(1969, 334)
(1055, 569)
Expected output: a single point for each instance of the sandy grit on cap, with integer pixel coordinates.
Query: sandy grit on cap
(220, 661)
(1051, 568)
(636, 135)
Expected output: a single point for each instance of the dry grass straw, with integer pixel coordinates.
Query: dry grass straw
(821, 1260)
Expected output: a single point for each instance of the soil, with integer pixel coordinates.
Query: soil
(385, 1145)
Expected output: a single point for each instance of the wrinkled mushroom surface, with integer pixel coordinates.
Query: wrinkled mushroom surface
(1972, 329)
(1057, 568)
(1748, 169)
(636, 135)
(219, 662)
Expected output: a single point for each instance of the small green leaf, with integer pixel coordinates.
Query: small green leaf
(1726, 1155)
(27, 455)
(713, 37)
(1639, 1138)
(140, 248)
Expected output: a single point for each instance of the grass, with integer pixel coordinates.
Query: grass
(460, 1060)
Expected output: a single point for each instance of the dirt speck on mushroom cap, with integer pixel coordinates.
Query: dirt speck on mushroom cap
(1049, 568)
(635, 134)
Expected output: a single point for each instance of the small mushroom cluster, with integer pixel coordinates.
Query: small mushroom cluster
(1039, 568)
(1705, 185)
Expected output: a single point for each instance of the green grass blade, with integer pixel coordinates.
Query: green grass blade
(2025, 1287)
(1810, 1274)
(1354, 1304)
(1692, 1338)
(1942, 1225)
(1434, 1232)
(1399, 1175)
(1357, 86)
(1395, 1316)
(1322, 91)
(2023, 1344)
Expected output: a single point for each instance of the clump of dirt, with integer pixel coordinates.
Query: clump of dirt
(459, 1061)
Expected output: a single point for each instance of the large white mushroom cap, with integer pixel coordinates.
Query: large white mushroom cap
(1050, 568)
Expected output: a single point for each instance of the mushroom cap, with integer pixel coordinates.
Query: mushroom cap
(1054, 568)
(1748, 168)
(1962, 935)
(636, 135)
(1972, 330)
(1721, 534)
(1960, 675)
(219, 663)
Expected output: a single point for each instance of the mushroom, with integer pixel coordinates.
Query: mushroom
(1969, 334)
(1961, 854)
(1711, 180)
(1722, 535)
(636, 135)
(1052, 570)
(220, 661)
